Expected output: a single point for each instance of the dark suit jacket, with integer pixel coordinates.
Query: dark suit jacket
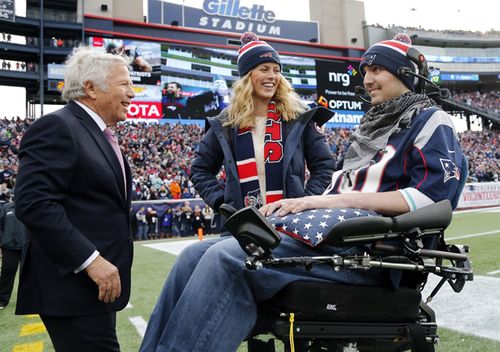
(70, 195)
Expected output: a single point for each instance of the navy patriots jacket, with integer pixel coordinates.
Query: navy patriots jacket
(303, 144)
(424, 161)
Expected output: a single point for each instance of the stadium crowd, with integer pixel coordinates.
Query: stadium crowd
(160, 156)
(483, 152)
(11, 131)
(487, 101)
(442, 32)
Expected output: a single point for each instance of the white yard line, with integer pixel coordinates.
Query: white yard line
(486, 210)
(139, 324)
(172, 247)
(471, 235)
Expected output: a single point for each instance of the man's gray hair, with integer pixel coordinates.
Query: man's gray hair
(86, 64)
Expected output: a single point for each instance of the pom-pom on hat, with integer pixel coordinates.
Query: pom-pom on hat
(254, 52)
(391, 55)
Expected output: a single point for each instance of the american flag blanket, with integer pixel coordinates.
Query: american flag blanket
(312, 226)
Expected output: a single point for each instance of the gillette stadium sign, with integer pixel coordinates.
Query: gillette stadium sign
(232, 16)
(232, 8)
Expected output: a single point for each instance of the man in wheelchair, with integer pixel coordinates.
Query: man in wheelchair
(404, 158)
(319, 316)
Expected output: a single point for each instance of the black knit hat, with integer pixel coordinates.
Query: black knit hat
(254, 52)
(391, 55)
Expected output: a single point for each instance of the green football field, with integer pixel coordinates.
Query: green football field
(150, 268)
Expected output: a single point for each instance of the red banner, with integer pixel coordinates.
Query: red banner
(145, 110)
(97, 42)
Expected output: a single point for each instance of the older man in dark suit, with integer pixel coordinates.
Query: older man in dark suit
(73, 195)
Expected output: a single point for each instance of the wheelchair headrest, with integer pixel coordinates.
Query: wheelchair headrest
(365, 230)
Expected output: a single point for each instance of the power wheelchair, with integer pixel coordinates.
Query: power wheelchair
(348, 318)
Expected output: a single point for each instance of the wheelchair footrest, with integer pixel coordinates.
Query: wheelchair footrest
(304, 329)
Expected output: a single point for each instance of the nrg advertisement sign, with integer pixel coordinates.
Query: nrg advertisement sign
(336, 82)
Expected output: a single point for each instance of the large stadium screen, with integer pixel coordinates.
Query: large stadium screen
(205, 77)
(195, 81)
(145, 72)
(55, 75)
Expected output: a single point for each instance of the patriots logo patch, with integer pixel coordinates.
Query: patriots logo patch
(268, 54)
(450, 169)
(369, 59)
(253, 198)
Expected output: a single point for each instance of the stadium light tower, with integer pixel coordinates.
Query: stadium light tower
(182, 13)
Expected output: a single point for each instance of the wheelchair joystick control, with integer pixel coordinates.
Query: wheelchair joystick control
(227, 210)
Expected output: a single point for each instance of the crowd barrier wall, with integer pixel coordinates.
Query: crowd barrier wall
(161, 205)
(474, 195)
(480, 194)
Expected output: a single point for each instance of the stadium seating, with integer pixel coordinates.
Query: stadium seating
(488, 100)
(161, 153)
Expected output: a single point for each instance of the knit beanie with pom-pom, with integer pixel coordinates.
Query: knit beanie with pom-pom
(254, 52)
(391, 55)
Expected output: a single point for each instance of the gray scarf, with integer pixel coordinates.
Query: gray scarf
(378, 124)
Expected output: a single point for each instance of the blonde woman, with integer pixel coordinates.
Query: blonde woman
(264, 139)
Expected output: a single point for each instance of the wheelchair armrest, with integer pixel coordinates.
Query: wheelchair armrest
(359, 231)
(366, 230)
(434, 216)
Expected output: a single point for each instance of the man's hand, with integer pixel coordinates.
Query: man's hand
(295, 205)
(106, 276)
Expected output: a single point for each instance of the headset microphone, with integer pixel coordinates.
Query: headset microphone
(361, 94)
(442, 92)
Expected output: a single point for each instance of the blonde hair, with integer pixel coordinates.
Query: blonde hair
(241, 110)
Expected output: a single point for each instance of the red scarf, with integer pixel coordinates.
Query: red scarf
(273, 158)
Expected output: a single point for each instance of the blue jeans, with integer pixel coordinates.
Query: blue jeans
(176, 230)
(142, 231)
(209, 301)
(186, 228)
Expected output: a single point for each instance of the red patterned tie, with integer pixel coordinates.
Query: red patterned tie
(110, 136)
